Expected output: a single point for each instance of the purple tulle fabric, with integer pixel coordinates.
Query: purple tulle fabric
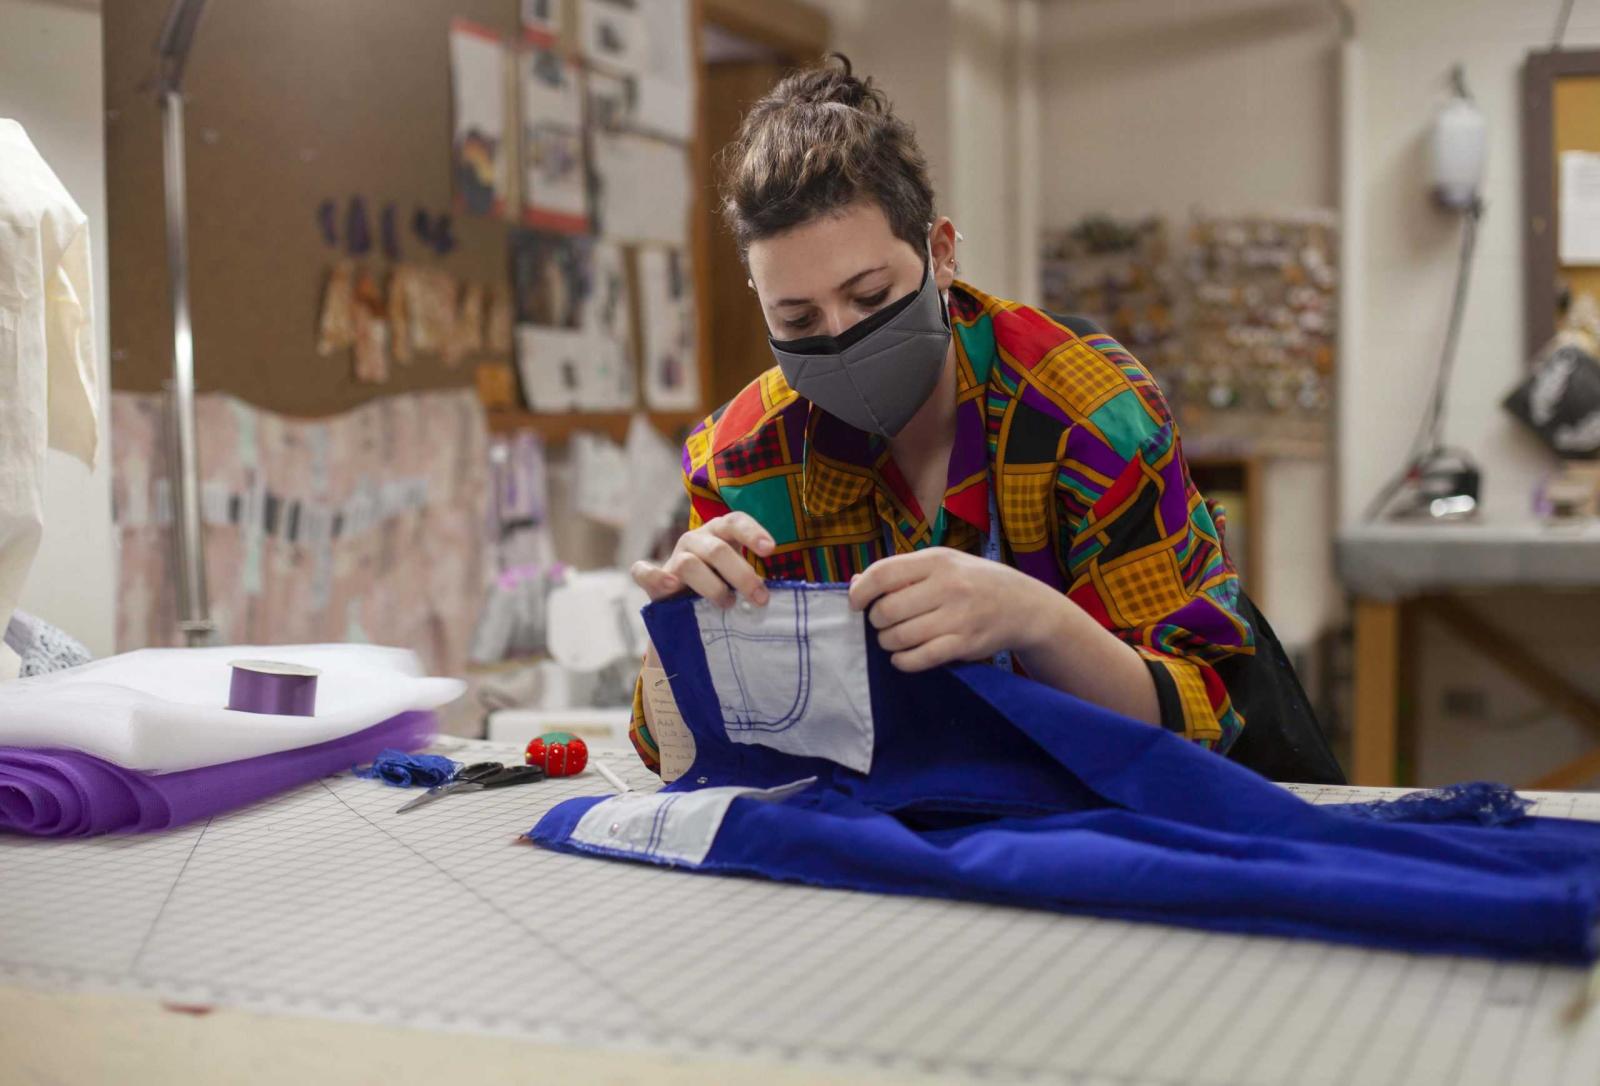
(66, 793)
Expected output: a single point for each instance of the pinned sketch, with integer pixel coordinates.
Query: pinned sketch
(653, 91)
(577, 286)
(666, 78)
(643, 189)
(667, 317)
(613, 100)
(478, 82)
(554, 181)
(542, 16)
(549, 361)
(607, 382)
(613, 34)
(550, 278)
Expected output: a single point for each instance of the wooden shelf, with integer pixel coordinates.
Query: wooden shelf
(556, 429)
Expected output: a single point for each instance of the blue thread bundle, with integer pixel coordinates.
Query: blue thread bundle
(401, 770)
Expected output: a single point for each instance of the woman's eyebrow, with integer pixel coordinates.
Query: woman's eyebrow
(846, 285)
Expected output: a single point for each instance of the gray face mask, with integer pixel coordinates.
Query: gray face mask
(881, 370)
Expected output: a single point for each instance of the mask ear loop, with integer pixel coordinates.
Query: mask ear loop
(944, 295)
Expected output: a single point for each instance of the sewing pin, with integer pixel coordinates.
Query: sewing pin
(616, 782)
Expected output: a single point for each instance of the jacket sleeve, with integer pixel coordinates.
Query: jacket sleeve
(1144, 555)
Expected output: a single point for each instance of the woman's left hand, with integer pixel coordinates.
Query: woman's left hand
(939, 605)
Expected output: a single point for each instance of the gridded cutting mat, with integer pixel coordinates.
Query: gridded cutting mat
(325, 902)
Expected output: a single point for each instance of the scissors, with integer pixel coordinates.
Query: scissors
(476, 777)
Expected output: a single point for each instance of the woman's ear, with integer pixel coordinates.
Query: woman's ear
(942, 241)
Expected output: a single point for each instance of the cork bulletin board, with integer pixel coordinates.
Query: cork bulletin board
(289, 105)
(1575, 116)
(1560, 112)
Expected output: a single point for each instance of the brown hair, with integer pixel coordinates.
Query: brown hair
(819, 141)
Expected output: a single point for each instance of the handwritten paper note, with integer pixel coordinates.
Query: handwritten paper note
(672, 735)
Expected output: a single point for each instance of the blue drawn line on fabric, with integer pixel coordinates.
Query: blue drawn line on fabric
(738, 672)
(744, 717)
(658, 826)
(1487, 802)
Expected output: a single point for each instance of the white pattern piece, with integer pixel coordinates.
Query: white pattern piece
(792, 675)
(677, 827)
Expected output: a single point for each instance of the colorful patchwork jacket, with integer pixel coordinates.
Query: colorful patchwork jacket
(1094, 496)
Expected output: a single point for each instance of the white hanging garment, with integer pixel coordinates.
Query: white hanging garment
(48, 389)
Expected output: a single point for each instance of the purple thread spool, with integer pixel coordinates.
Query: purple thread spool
(273, 687)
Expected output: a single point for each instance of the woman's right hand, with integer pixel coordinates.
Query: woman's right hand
(707, 561)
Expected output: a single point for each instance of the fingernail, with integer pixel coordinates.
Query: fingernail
(764, 545)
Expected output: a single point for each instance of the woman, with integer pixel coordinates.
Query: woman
(991, 480)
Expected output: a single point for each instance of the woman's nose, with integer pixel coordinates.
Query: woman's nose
(837, 321)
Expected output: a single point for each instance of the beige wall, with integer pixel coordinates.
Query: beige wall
(905, 46)
(50, 82)
(984, 169)
(1406, 51)
(1226, 106)
(1158, 105)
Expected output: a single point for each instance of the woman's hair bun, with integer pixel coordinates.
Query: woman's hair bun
(835, 82)
(820, 140)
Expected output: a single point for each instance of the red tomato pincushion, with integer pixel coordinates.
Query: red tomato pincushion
(562, 754)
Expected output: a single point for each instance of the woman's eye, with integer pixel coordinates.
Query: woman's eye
(797, 325)
(874, 301)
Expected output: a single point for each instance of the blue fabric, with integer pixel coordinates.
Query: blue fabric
(990, 786)
(398, 769)
(1486, 803)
